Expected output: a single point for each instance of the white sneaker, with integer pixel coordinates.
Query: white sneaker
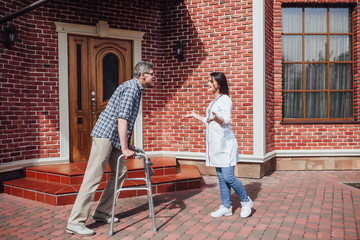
(222, 211)
(246, 208)
(79, 230)
(103, 217)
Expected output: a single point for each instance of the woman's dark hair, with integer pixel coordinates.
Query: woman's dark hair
(221, 80)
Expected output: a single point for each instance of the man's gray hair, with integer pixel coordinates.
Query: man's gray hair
(142, 67)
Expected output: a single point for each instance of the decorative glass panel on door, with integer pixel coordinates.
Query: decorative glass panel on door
(110, 75)
(79, 77)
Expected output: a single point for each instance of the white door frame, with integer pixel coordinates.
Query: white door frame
(100, 30)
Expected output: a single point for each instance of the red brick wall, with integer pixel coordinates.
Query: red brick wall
(314, 136)
(29, 90)
(217, 37)
(29, 87)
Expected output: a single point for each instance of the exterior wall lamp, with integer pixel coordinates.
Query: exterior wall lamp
(11, 33)
(179, 48)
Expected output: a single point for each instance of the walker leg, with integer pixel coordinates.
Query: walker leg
(150, 197)
(116, 192)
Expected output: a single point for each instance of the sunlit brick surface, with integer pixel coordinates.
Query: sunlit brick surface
(287, 205)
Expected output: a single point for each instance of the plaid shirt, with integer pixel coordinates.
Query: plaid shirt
(124, 103)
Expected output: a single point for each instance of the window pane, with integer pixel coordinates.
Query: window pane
(340, 48)
(292, 75)
(316, 105)
(341, 105)
(315, 48)
(315, 20)
(110, 75)
(292, 48)
(293, 105)
(341, 76)
(316, 76)
(291, 21)
(340, 20)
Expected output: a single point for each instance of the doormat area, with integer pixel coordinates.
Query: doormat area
(353, 184)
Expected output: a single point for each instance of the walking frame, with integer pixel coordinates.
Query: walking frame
(139, 153)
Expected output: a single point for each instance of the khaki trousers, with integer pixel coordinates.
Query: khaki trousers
(102, 152)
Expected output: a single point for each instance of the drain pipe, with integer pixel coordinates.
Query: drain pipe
(23, 11)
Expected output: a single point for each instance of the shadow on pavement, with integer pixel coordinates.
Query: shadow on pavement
(172, 201)
(252, 189)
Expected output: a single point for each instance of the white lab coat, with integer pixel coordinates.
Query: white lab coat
(221, 145)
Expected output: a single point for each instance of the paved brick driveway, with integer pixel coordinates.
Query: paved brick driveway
(287, 205)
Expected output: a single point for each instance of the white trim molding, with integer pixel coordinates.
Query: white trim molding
(178, 155)
(202, 156)
(318, 153)
(198, 156)
(100, 30)
(7, 167)
(256, 159)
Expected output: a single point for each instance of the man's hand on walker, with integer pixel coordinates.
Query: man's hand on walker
(128, 153)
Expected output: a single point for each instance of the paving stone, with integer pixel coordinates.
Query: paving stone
(287, 205)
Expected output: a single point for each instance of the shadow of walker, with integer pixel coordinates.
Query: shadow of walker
(166, 202)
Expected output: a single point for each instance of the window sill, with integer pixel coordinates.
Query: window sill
(304, 122)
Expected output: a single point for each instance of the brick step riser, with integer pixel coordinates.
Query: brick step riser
(71, 180)
(69, 198)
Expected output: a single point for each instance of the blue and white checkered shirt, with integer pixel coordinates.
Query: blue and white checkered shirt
(124, 103)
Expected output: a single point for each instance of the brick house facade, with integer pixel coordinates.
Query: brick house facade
(241, 38)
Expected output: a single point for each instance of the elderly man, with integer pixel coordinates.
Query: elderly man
(110, 138)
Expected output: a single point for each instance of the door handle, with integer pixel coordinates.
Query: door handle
(93, 102)
(93, 98)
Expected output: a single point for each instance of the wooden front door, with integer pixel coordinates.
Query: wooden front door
(96, 68)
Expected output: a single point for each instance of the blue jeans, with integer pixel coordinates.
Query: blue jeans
(227, 180)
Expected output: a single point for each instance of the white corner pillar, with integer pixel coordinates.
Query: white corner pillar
(259, 136)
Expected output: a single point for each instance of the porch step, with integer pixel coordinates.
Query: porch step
(73, 173)
(59, 184)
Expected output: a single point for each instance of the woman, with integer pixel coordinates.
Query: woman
(221, 146)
